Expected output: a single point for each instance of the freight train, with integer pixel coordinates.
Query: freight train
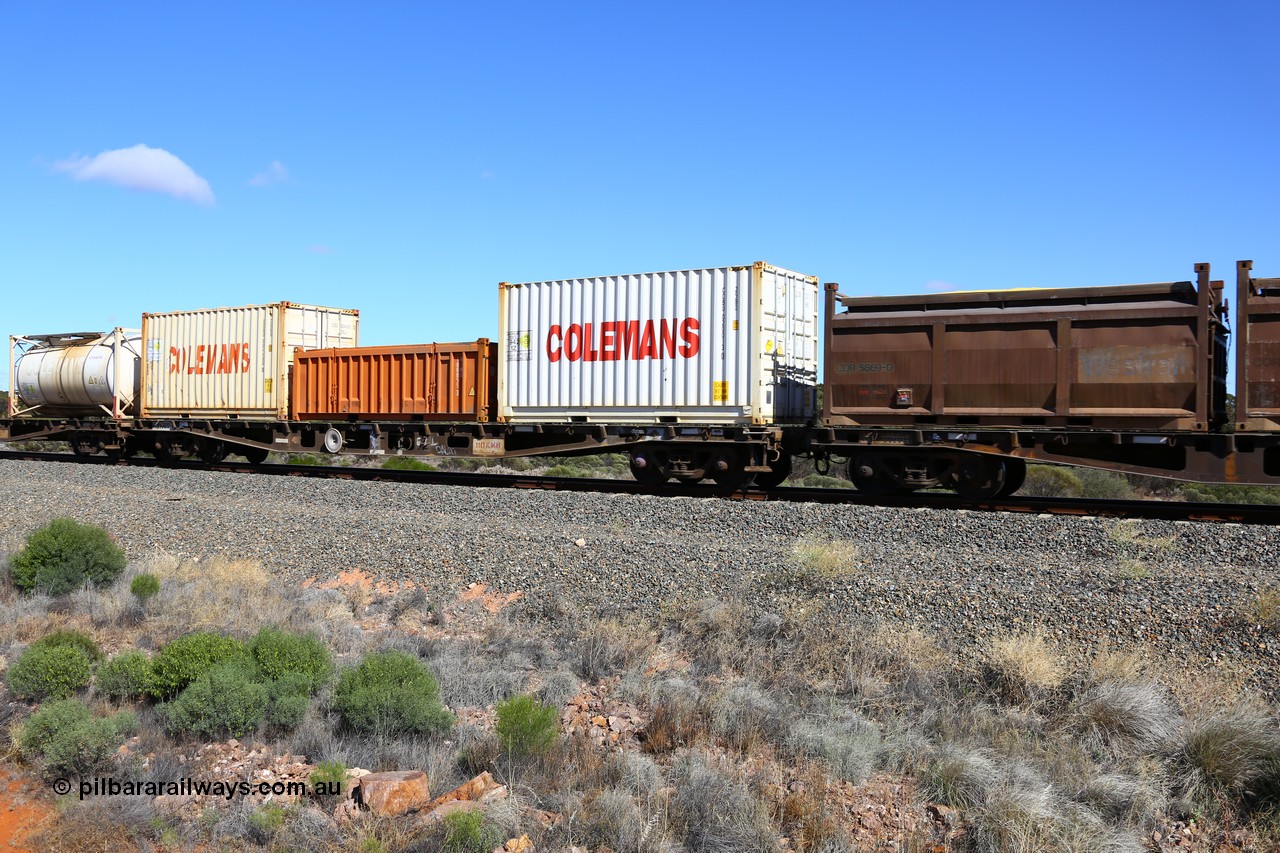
(702, 374)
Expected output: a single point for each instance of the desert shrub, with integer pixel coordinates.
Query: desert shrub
(65, 554)
(279, 653)
(182, 661)
(227, 700)
(559, 687)
(304, 459)
(1050, 481)
(717, 812)
(78, 639)
(1126, 716)
(634, 772)
(959, 777)
(1264, 608)
(331, 774)
(609, 646)
(470, 832)
(71, 740)
(144, 586)
(847, 742)
(406, 463)
(265, 822)
(1023, 668)
(1103, 485)
(125, 675)
(613, 821)
(1120, 799)
(1230, 758)
(393, 693)
(1014, 818)
(526, 726)
(288, 698)
(745, 716)
(563, 470)
(49, 672)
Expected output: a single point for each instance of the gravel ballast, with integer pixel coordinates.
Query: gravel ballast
(1183, 591)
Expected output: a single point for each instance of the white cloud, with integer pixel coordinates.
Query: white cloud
(141, 168)
(274, 174)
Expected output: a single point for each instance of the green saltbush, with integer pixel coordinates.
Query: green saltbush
(125, 676)
(392, 693)
(64, 637)
(50, 672)
(182, 661)
(470, 832)
(63, 555)
(226, 701)
(406, 463)
(279, 653)
(144, 586)
(526, 726)
(71, 740)
(287, 700)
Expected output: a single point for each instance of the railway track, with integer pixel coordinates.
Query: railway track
(1135, 509)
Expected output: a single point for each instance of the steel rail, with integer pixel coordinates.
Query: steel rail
(1079, 507)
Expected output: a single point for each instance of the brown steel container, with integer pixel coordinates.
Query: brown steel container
(1148, 356)
(1257, 351)
(442, 382)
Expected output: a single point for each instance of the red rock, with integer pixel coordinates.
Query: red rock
(394, 792)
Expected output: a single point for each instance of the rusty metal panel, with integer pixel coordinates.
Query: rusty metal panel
(454, 382)
(1133, 356)
(233, 362)
(1257, 351)
(726, 345)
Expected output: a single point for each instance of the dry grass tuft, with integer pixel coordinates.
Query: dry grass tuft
(1024, 668)
(1126, 717)
(1119, 664)
(820, 560)
(1264, 608)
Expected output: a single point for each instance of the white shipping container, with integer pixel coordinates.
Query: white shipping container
(233, 362)
(725, 345)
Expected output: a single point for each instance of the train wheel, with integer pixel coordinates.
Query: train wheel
(728, 470)
(979, 479)
(779, 471)
(868, 477)
(210, 450)
(1014, 478)
(648, 468)
(255, 455)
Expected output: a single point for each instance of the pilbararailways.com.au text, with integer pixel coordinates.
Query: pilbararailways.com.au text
(108, 787)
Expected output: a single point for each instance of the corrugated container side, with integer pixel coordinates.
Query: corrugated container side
(451, 381)
(720, 345)
(1257, 351)
(233, 362)
(1137, 356)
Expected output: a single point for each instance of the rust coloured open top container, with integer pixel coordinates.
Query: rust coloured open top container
(1146, 356)
(1257, 351)
(442, 382)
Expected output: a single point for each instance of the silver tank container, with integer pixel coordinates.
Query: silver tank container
(80, 373)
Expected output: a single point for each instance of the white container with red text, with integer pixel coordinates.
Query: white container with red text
(729, 345)
(233, 362)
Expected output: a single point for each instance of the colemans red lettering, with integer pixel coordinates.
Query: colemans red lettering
(209, 358)
(624, 340)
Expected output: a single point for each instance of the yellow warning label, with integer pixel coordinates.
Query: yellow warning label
(719, 392)
(768, 345)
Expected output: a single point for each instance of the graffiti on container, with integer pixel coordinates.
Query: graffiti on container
(435, 448)
(1136, 364)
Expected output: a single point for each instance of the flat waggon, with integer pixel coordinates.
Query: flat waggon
(702, 374)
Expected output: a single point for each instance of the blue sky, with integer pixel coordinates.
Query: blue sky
(404, 158)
